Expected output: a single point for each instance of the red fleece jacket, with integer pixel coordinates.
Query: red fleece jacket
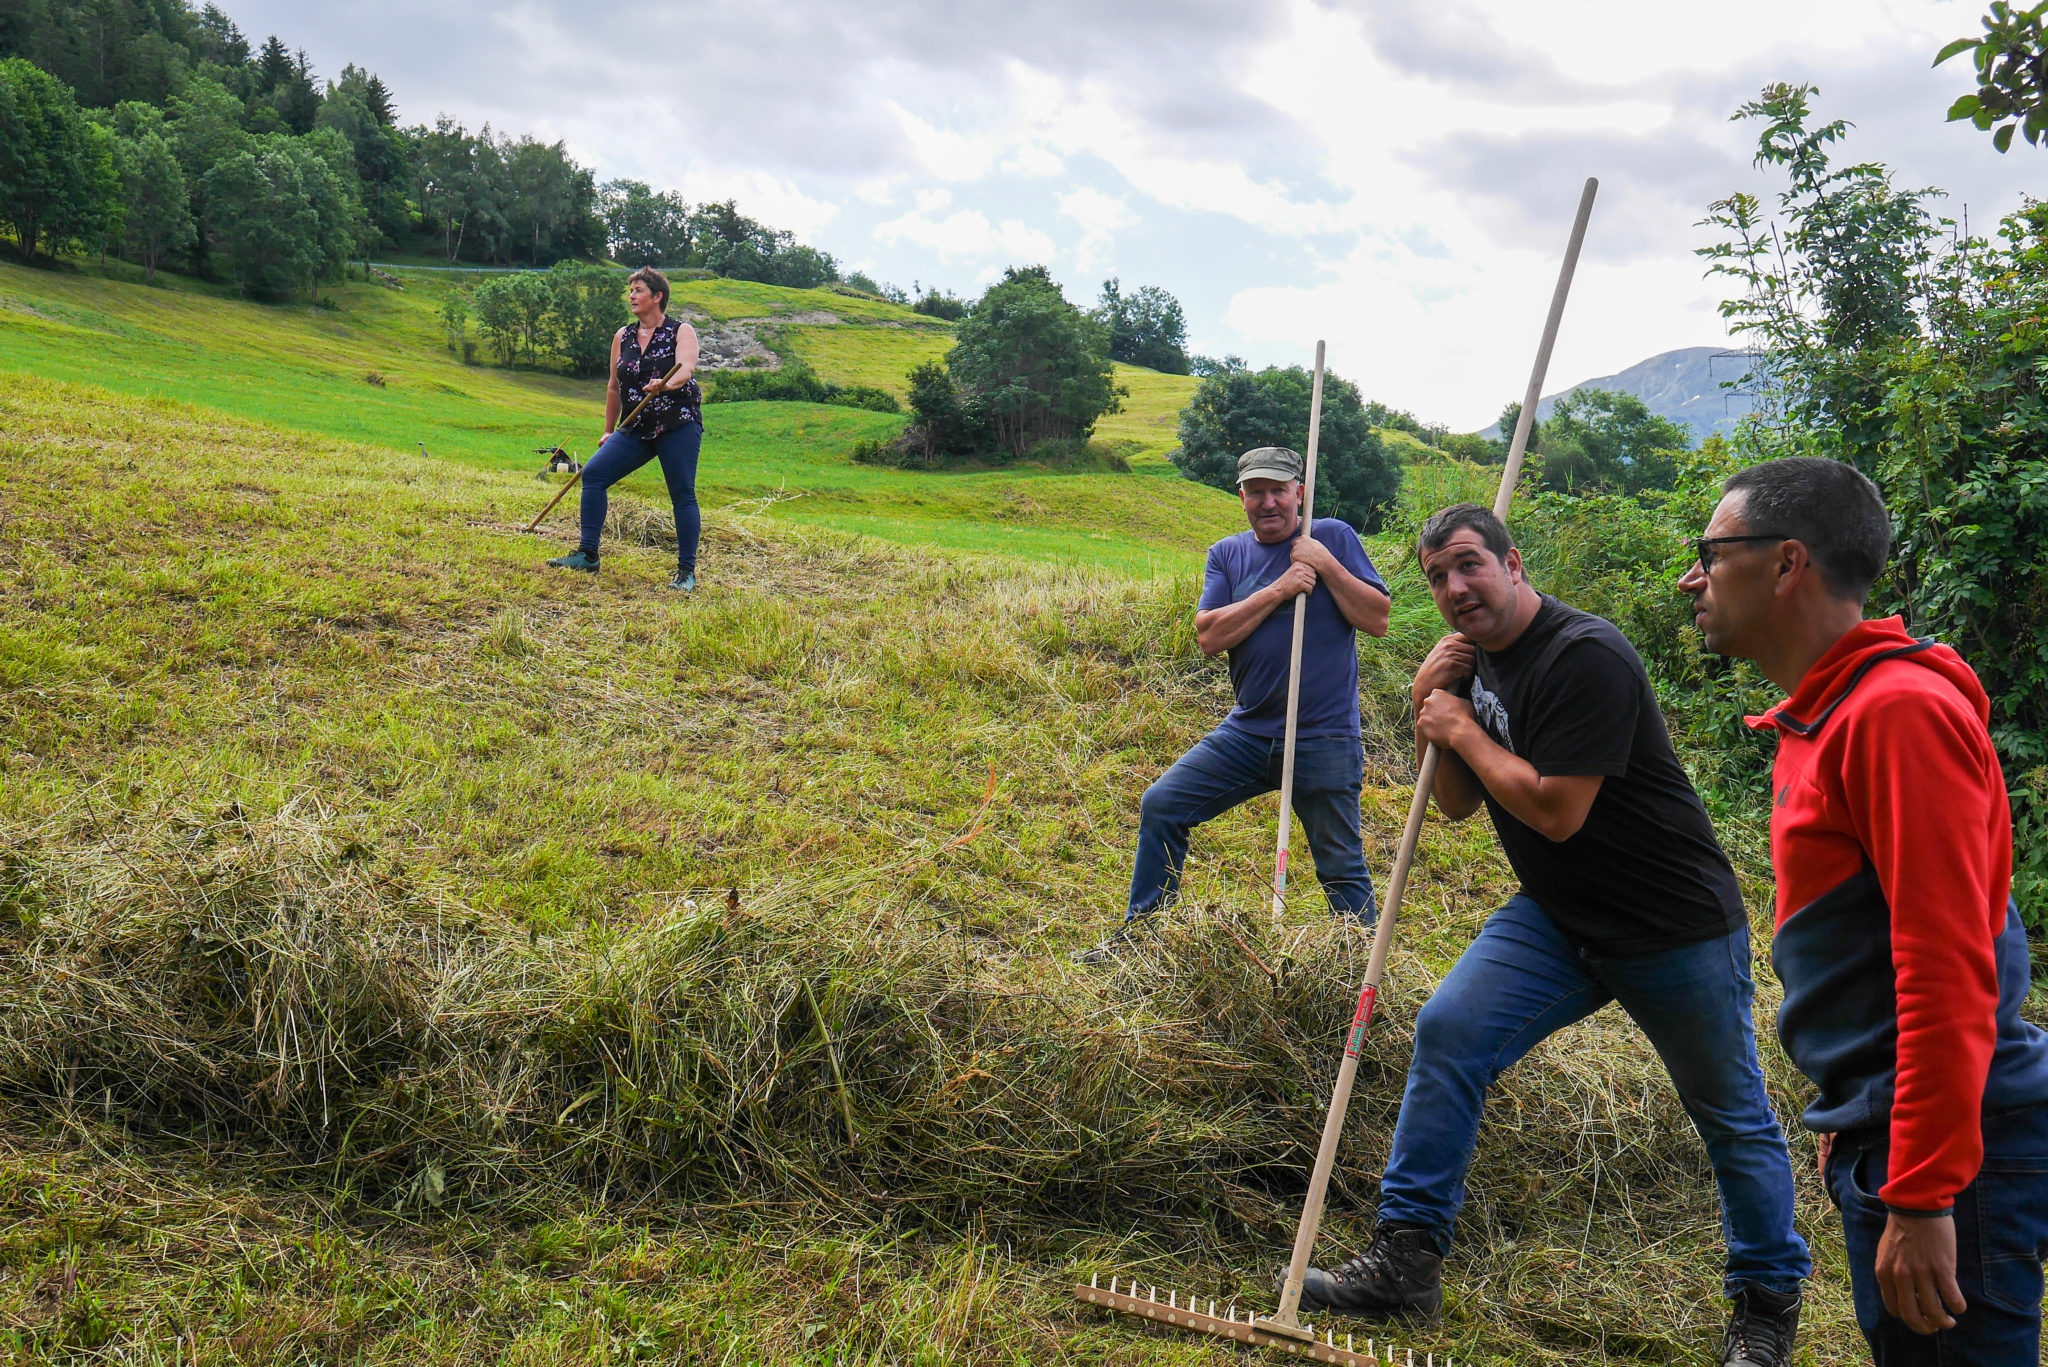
(1896, 774)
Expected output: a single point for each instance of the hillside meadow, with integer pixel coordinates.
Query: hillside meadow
(375, 368)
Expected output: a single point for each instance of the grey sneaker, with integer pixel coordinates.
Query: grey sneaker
(575, 560)
(1115, 945)
(1761, 1329)
(1401, 1272)
(684, 582)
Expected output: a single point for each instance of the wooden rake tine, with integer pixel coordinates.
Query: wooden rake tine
(1286, 1319)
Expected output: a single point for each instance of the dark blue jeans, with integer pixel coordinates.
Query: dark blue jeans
(1229, 766)
(2001, 1238)
(1521, 981)
(622, 454)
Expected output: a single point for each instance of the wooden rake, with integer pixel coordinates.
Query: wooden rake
(1283, 1329)
(624, 423)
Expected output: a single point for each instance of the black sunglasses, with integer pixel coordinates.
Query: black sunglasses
(1703, 546)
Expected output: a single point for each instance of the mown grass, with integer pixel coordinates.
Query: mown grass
(356, 1007)
(1150, 416)
(311, 369)
(880, 358)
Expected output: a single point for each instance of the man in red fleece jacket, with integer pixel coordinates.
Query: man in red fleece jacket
(1898, 943)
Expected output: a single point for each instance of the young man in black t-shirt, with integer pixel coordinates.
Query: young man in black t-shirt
(1626, 896)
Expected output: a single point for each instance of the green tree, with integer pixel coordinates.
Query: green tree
(513, 313)
(2011, 59)
(1601, 440)
(265, 221)
(1236, 409)
(947, 423)
(159, 209)
(551, 208)
(444, 159)
(59, 182)
(1922, 367)
(644, 227)
(106, 51)
(1146, 328)
(380, 152)
(1038, 367)
(585, 311)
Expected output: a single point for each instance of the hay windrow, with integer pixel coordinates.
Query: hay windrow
(268, 980)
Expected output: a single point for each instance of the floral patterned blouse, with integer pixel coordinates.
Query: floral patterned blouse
(667, 411)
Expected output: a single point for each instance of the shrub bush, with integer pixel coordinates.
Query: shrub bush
(795, 383)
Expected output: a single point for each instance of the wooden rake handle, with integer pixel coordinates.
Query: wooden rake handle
(626, 421)
(1287, 1315)
(1308, 509)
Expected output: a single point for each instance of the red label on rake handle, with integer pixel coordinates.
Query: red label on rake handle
(1360, 1021)
(1280, 865)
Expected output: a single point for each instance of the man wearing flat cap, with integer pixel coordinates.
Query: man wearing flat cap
(1249, 597)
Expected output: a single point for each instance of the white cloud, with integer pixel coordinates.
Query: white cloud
(1101, 218)
(967, 235)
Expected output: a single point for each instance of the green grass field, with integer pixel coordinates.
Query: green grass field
(310, 369)
(409, 955)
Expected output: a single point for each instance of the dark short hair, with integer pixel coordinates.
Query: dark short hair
(1828, 506)
(656, 282)
(1442, 526)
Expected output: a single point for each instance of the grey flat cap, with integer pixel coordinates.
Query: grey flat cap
(1269, 462)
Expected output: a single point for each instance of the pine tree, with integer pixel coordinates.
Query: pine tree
(378, 97)
(273, 65)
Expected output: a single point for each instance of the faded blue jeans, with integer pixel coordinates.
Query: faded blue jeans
(1521, 981)
(1229, 766)
(622, 454)
(2001, 1238)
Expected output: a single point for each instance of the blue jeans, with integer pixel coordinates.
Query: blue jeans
(625, 452)
(2001, 1238)
(1521, 981)
(1229, 766)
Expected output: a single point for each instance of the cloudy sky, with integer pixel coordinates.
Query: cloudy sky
(1393, 175)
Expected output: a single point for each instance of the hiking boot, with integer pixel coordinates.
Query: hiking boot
(1761, 1328)
(1112, 947)
(685, 581)
(1400, 1273)
(575, 560)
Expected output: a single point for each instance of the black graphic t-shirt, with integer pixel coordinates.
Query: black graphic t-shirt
(1645, 872)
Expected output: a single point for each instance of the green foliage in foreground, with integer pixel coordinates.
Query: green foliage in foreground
(2012, 94)
(1919, 359)
(382, 843)
(1236, 409)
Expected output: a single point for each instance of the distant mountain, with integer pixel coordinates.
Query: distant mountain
(1682, 385)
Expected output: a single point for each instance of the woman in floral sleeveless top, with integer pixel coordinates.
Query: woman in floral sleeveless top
(654, 357)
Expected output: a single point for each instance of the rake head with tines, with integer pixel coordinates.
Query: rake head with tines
(1283, 1329)
(1246, 1328)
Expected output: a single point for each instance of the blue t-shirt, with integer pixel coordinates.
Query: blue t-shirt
(1239, 566)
